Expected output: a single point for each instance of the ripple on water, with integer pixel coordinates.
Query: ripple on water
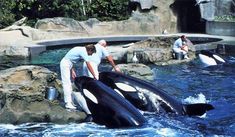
(216, 84)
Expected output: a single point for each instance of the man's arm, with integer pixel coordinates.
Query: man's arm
(91, 69)
(73, 73)
(186, 44)
(110, 59)
(184, 47)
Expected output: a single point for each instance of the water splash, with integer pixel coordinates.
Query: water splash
(200, 98)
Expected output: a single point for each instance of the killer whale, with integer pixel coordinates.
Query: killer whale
(153, 98)
(106, 106)
(209, 58)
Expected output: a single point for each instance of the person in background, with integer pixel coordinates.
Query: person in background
(95, 59)
(181, 45)
(67, 71)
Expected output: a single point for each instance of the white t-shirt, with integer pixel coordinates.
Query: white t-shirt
(77, 53)
(101, 52)
(178, 43)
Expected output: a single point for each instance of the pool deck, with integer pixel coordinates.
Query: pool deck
(40, 46)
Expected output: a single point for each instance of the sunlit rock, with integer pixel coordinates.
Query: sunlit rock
(22, 95)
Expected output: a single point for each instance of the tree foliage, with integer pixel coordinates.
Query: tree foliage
(109, 9)
(13, 10)
(6, 16)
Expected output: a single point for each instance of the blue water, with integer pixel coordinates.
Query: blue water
(188, 82)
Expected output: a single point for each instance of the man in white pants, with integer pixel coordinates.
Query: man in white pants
(95, 59)
(67, 71)
(181, 46)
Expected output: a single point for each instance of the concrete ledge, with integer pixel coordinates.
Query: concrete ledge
(220, 28)
(40, 46)
(36, 49)
(85, 40)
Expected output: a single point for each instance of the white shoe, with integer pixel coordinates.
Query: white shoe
(70, 106)
(186, 57)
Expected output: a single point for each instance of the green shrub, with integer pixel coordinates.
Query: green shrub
(6, 15)
(109, 9)
(104, 10)
(228, 18)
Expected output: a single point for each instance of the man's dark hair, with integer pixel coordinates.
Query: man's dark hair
(183, 38)
(91, 48)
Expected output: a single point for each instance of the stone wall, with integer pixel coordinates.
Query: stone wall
(217, 8)
(151, 21)
(220, 28)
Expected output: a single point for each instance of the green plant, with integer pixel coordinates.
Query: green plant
(228, 18)
(6, 15)
(104, 10)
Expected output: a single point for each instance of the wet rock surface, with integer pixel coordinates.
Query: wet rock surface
(22, 97)
(140, 71)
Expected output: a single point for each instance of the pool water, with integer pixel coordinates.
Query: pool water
(188, 82)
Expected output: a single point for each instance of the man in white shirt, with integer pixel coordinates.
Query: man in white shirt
(95, 59)
(66, 67)
(181, 46)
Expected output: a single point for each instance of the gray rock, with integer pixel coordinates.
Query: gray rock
(22, 95)
(154, 50)
(58, 23)
(137, 70)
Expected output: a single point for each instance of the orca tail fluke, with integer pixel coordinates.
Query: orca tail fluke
(197, 109)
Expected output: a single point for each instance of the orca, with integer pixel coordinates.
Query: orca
(154, 99)
(209, 58)
(106, 106)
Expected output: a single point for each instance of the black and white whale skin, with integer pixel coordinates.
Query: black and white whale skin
(209, 58)
(108, 107)
(147, 97)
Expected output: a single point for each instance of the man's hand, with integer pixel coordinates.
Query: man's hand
(117, 69)
(96, 78)
(74, 75)
(185, 48)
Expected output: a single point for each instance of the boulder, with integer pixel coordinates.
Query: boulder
(137, 70)
(154, 50)
(13, 41)
(139, 23)
(22, 97)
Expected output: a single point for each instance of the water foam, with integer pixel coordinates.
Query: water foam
(200, 98)
(166, 132)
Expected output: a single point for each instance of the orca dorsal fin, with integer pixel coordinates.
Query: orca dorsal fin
(197, 109)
